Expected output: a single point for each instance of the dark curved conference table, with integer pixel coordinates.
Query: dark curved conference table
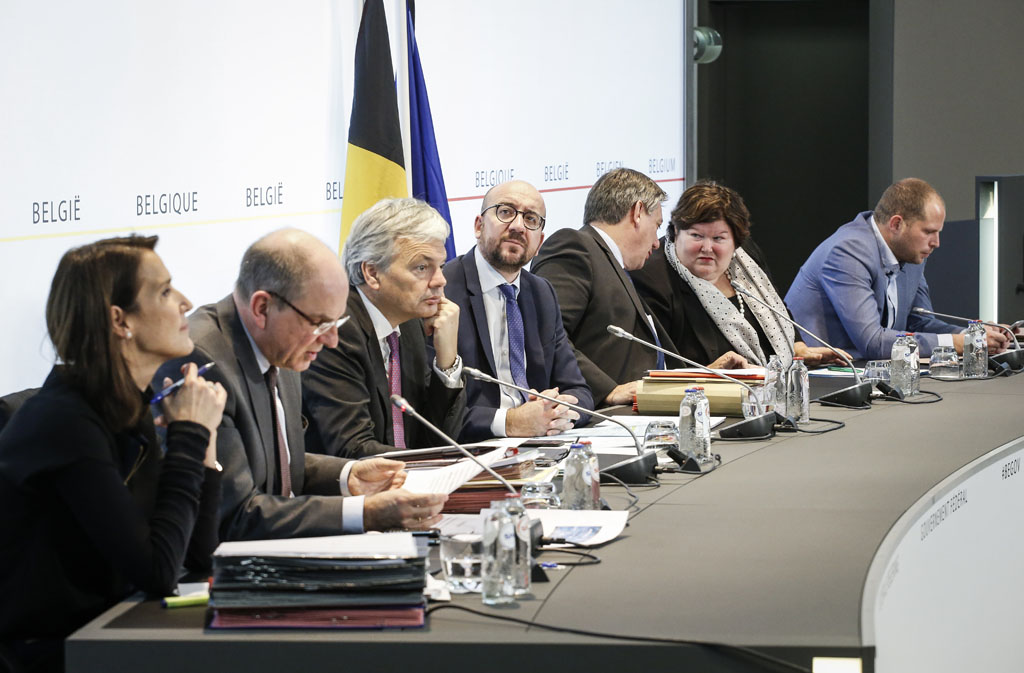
(787, 549)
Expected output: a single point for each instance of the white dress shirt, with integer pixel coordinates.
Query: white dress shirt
(618, 258)
(497, 327)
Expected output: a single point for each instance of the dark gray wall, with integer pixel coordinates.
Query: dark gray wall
(957, 95)
(783, 118)
(816, 106)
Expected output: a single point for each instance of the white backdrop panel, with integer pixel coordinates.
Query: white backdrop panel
(241, 110)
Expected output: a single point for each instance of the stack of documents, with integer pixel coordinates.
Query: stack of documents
(661, 391)
(471, 489)
(345, 581)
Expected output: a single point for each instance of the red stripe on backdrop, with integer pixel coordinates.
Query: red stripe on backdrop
(553, 189)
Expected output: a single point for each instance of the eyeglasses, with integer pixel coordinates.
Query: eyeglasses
(318, 327)
(506, 214)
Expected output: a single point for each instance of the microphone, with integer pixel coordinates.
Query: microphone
(1014, 359)
(632, 470)
(856, 395)
(406, 408)
(759, 427)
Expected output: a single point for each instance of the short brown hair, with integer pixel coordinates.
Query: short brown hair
(907, 198)
(708, 201)
(616, 192)
(89, 280)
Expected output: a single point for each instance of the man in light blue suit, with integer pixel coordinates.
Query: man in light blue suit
(859, 288)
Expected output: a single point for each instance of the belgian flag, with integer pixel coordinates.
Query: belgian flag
(375, 165)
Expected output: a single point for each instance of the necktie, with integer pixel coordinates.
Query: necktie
(516, 340)
(395, 381)
(657, 342)
(280, 447)
(890, 299)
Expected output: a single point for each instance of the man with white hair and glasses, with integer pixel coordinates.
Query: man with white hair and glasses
(394, 256)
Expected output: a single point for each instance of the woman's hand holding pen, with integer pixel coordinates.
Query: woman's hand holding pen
(199, 401)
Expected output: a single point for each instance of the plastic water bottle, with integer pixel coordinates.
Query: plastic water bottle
(799, 394)
(581, 483)
(695, 425)
(506, 568)
(975, 351)
(899, 370)
(915, 364)
(775, 386)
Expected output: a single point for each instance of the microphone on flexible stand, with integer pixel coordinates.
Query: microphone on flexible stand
(761, 426)
(406, 408)
(1014, 359)
(634, 470)
(856, 395)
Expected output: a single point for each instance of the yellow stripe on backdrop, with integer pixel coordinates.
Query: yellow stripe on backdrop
(378, 178)
(374, 166)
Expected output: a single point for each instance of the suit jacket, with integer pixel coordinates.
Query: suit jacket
(593, 292)
(347, 399)
(839, 294)
(674, 303)
(245, 439)
(549, 358)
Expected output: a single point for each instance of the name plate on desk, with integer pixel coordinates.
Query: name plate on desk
(962, 546)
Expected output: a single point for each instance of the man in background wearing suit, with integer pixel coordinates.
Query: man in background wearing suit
(511, 327)
(393, 255)
(858, 288)
(285, 308)
(588, 269)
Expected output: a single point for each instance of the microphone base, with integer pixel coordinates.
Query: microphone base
(691, 464)
(634, 470)
(758, 427)
(1014, 359)
(890, 392)
(856, 395)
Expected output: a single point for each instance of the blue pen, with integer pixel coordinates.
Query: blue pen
(177, 384)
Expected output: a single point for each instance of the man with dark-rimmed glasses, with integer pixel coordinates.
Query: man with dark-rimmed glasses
(511, 327)
(288, 303)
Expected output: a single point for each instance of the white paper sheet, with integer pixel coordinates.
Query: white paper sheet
(448, 479)
(749, 371)
(367, 545)
(455, 524)
(831, 373)
(583, 527)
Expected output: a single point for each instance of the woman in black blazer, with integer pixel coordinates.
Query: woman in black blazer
(688, 283)
(90, 508)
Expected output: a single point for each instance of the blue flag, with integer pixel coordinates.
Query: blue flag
(427, 180)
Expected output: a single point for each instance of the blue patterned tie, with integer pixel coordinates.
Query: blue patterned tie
(516, 342)
(657, 342)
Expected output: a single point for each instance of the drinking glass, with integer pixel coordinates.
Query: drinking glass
(877, 370)
(749, 402)
(540, 495)
(462, 560)
(660, 436)
(944, 363)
